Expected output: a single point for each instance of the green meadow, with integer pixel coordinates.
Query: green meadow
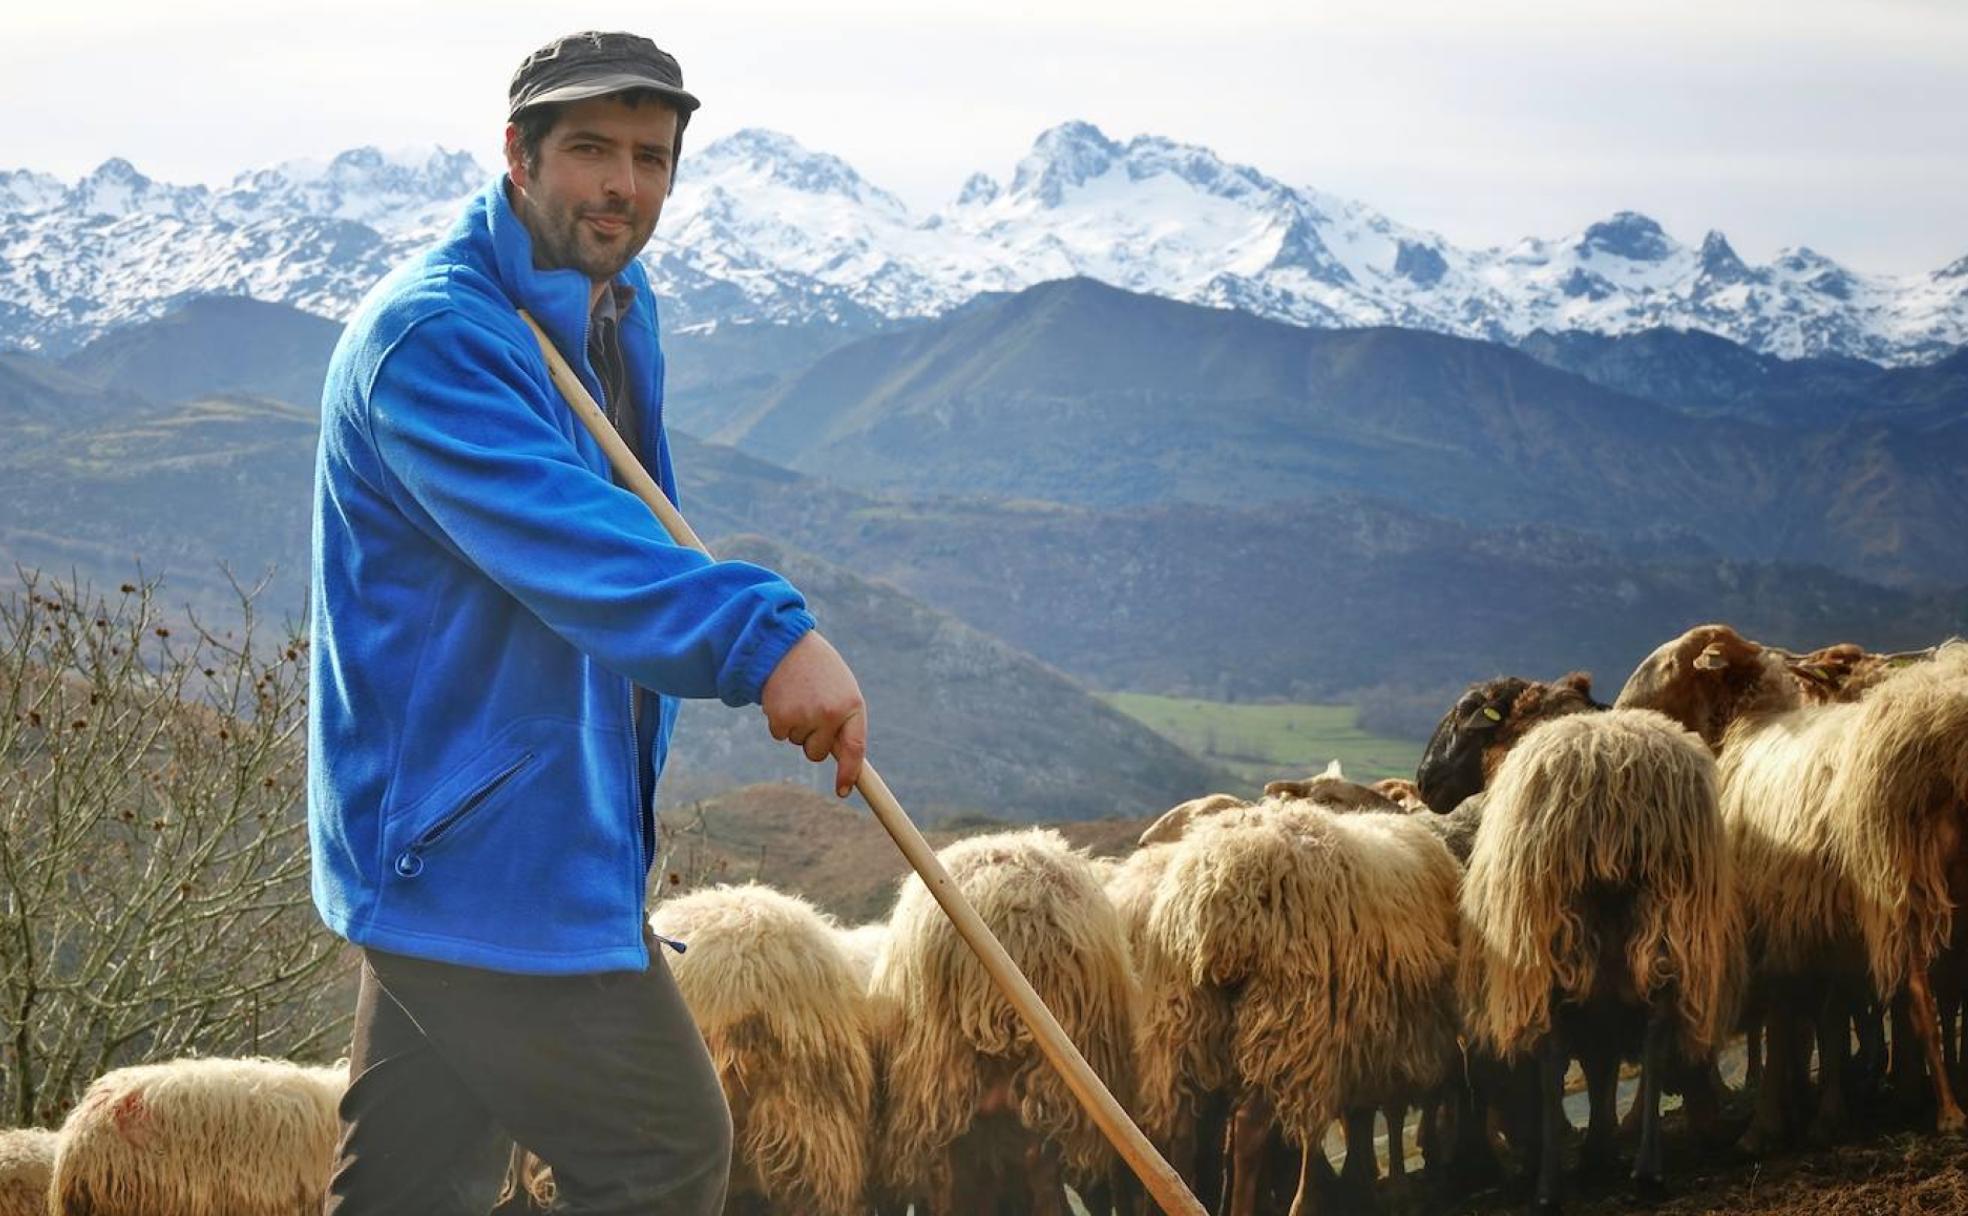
(1262, 742)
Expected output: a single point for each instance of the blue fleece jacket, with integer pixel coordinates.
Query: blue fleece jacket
(486, 602)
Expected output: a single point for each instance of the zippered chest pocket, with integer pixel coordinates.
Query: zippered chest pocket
(410, 861)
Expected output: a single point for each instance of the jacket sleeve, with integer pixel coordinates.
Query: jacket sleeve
(460, 421)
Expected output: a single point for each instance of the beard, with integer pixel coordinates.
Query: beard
(564, 240)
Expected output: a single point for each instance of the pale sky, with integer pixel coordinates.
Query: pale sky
(1838, 125)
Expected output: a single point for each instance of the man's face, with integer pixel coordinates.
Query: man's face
(592, 198)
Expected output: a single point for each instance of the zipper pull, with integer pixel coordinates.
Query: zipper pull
(671, 942)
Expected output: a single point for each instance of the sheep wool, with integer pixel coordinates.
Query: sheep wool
(784, 1012)
(1587, 807)
(951, 1031)
(1182, 1029)
(201, 1137)
(1337, 933)
(1796, 901)
(1906, 760)
(27, 1163)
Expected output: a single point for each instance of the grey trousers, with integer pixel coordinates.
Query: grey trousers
(603, 1077)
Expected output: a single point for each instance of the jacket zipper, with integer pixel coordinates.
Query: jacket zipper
(410, 862)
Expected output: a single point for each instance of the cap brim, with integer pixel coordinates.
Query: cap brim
(600, 86)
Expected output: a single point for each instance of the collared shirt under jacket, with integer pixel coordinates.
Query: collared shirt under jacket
(485, 603)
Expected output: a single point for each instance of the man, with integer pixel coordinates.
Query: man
(500, 636)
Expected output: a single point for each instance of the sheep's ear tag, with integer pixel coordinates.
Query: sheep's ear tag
(1711, 659)
(1901, 661)
(1493, 713)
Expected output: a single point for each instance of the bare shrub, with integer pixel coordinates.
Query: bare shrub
(153, 844)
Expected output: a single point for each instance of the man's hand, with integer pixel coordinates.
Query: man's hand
(812, 699)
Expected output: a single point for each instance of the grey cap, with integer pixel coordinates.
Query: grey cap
(593, 63)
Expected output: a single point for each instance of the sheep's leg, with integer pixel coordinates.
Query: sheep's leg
(1600, 1154)
(1871, 1021)
(1472, 1158)
(1250, 1132)
(1903, 1067)
(1768, 1130)
(1834, 1045)
(1361, 1170)
(1209, 1147)
(1552, 1124)
(1042, 1174)
(1948, 1118)
(1649, 1179)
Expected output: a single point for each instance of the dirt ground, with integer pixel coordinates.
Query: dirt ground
(1894, 1172)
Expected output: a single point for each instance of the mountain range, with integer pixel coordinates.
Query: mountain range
(763, 230)
(1275, 568)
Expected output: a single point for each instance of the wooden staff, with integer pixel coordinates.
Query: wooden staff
(1160, 1179)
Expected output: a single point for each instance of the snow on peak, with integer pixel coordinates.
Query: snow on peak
(763, 229)
(770, 156)
(1719, 260)
(24, 192)
(1629, 235)
(981, 189)
(367, 184)
(1068, 155)
(115, 189)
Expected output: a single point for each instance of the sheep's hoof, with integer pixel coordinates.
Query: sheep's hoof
(1649, 1189)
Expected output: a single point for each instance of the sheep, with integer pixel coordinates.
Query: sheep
(1483, 725)
(201, 1137)
(1176, 820)
(784, 1013)
(1332, 1011)
(1599, 887)
(27, 1162)
(1849, 820)
(1332, 790)
(969, 1098)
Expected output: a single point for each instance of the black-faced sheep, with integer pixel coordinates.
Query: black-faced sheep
(785, 1014)
(201, 1138)
(971, 1106)
(1851, 817)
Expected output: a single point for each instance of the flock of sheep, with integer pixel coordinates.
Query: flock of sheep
(1748, 840)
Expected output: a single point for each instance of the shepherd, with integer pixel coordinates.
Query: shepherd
(501, 635)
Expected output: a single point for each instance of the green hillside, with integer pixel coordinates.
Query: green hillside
(1262, 742)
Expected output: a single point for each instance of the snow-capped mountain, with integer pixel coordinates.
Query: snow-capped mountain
(763, 229)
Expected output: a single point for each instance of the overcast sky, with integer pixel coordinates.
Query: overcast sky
(1838, 125)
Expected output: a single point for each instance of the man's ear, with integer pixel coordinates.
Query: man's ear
(515, 156)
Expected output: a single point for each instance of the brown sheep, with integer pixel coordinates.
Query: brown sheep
(1850, 816)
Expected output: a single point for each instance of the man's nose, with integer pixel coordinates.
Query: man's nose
(618, 175)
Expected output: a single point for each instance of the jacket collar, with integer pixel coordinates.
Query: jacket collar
(557, 299)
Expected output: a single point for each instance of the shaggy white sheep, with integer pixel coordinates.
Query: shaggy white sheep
(201, 1137)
